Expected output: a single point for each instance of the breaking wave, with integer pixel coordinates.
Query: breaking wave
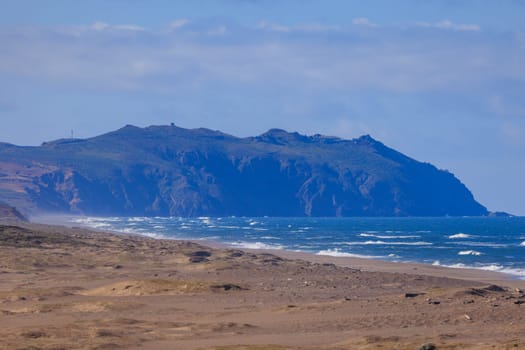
(387, 243)
(460, 235)
(469, 252)
(387, 236)
(520, 273)
(337, 253)
(257, 245)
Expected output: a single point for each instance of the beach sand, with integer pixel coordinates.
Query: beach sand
(69, 288)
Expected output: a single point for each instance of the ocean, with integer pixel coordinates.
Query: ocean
(493, 244)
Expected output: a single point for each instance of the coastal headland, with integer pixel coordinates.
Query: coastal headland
(71, 288)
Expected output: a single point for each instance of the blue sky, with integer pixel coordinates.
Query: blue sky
(442, 81)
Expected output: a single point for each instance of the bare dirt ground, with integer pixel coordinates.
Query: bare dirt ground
(63, 288)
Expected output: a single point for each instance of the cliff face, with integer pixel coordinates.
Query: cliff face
(166, 170)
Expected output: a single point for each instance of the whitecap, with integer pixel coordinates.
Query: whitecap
(386, 237)
(469, 252)
(459, 235)
(256, 245)
(367, 235)
(482, 244)
(99, 225)
(337, 253)
(204, 220)
(519, 272)
(387, 243)
(522, 244)
(137, 219)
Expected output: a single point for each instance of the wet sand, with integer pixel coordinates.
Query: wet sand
(70, 288)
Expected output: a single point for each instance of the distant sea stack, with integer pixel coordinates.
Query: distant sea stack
(171, 171)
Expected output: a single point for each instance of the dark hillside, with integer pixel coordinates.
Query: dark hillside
(167, 170)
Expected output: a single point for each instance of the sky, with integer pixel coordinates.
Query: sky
(442, 81)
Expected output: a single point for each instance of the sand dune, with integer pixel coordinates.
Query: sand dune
(66, 288)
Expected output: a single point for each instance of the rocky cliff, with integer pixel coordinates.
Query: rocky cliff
(167, 170)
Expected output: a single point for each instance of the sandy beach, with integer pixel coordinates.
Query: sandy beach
(70, 288)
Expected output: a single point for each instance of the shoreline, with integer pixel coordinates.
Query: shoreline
(76, 288)
(363, 263)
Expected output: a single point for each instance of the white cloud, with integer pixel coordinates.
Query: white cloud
(363, 21)
(101, 26)
(306, 28)
(129, 27)
(389, 59)
(179, 23)
(448, 25)
(273, 27)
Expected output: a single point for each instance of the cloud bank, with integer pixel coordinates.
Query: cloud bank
(363, 55)
(448, 92)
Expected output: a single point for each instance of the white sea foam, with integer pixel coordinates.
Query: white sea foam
(387, 243)
(256, 245)
(482, 244)
(522, 244)
(386, 237)
(460, 235)
(95, 219)
(99, 225)
(205, 220)
(152, 235)
(469, 252)
(138, 219)
(252, 228)
(140, 232)
(520, 273)
(336, 252)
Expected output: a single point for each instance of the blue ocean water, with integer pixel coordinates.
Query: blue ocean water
(495, 244)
